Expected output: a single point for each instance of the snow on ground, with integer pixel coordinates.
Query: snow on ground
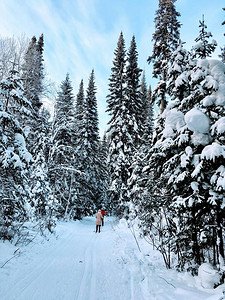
(78, 264)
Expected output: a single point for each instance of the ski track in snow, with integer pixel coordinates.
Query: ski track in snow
(84, 265)
(26, 286)
(88, 276)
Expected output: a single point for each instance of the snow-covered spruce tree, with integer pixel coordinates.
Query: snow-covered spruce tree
(14, 157)
(189, 155)
(135, 106)
(137, 98)
(80, 185)
(37, 132)
(161, 227)
(207, 81)
(121, 132)
(61, 157)
(166, 38)
(87, 188)
(91, 163)
(203, 48)
(115, 100)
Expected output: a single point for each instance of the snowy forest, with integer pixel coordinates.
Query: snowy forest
(160, 163)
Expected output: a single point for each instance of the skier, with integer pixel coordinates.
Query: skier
(98, 221)
(103, 214)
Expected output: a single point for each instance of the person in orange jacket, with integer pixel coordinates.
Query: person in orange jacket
(103, 214)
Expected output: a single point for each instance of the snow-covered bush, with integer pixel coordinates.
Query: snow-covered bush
(208, 275)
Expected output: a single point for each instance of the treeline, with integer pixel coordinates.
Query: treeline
(49, 169)
(167, 174)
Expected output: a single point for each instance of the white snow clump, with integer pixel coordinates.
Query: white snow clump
(174, 121)
(197, 121)
(210, 152)
(219, 126)
(216, 80)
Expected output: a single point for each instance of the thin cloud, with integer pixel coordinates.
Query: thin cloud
(81, 35)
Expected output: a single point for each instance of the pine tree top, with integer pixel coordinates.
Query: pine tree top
(203, 48)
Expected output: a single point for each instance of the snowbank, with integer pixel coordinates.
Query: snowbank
(208, 276)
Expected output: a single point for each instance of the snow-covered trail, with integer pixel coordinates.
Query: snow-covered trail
(75, 266)
(83, 265)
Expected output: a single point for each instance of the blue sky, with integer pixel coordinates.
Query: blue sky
(82, 34)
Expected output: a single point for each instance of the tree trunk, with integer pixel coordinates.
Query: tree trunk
(220, 237)
(214, 246)
(69, 197)
(163, 98)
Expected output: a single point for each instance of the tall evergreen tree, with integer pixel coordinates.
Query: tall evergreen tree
(116, 108)
(123, 106)
(15, 159)
(133, 90)
(92, 140)
(80, 184)
(166, 38)
(36, 128)
(62, 150)
(88, 187)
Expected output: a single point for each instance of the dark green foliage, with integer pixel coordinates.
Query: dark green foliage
(165, 38)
